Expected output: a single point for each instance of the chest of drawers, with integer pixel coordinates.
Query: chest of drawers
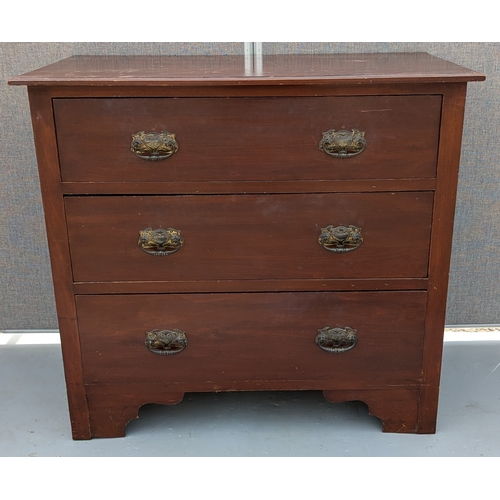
(211, 229)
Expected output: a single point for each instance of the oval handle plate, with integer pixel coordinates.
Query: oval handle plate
(154, 146)
(166, 342)
(336, 340)
(340, 239)
(160, 241)
(343, 143)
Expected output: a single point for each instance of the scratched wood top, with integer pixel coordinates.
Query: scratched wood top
(292, 69)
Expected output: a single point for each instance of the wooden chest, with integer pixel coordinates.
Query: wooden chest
(212, 229)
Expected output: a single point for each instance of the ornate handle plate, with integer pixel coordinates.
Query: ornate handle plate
(340, 239)
(166, 342)
(336, 340)
(160, 241)
(154, 146)
(343, 143)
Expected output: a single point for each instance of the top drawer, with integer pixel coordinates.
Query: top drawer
(238, 139)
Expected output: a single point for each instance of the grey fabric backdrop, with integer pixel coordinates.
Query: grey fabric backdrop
(26, 295)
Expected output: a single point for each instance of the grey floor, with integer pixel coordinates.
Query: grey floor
(34, 419)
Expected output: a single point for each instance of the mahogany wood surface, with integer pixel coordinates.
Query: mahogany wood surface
(247, 139)
(280, 69)
(112, 407)
(252, 285)
(53, 205)
(397, 408)
(250, 190)
(440, 251)
(230, 187)
(250, 236)
(231, 89)
(245, 338)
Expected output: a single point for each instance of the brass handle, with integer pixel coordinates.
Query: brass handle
(343, 143)
(336, 340)
(160, 241)
(166, 342)
(340, 239)
(154, 146)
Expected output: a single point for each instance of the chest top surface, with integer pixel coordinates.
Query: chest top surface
(371, 68)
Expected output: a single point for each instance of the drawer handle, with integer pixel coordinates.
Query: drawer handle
(340, 239)
(160, 241)
(336, 340)
(166, 342)
(154, 146)
(343, 143)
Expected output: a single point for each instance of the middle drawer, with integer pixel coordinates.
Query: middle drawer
(249, 237)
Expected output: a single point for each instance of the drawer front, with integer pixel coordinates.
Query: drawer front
(250, 237)
(247, 138)
(224, 339)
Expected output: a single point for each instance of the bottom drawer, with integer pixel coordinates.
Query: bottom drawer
(249, 341)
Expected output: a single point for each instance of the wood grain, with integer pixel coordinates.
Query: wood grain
(250, 191)
(48, 166)
(396, 408)
(440, 251)
(266, 187)
(250, 237)
(283, 69)
(253, 340)
(241, 139)
(221, 286)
